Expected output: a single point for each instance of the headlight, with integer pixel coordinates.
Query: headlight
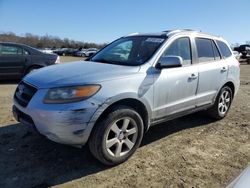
(70, 94)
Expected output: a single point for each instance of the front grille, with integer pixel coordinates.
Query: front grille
(24, 93)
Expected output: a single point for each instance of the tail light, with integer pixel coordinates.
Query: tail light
(57, 60)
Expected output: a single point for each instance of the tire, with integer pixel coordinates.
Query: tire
(222, 104)
(116, 137)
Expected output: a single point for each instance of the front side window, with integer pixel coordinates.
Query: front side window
(224, 49)
(204, 49)
(11, 50)
(180, 47)
(134, 50)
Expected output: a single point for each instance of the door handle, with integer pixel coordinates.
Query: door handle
(193, 76)
(223, 69)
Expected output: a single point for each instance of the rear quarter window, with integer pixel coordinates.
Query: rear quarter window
(224, 49)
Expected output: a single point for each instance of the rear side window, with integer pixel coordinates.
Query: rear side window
(180, 47)
(225, 51)
(205, 49)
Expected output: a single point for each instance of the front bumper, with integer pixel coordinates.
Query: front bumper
(62, 123)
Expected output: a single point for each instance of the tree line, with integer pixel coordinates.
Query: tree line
(46, 41)
(53, 42)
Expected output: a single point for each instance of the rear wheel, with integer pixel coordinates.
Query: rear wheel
(116, 137)
(222, 103)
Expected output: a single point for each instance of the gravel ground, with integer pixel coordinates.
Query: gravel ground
(193, 151)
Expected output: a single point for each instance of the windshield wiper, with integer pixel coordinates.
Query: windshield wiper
(107, 61)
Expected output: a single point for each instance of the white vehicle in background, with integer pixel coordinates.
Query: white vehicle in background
(85, 52)
(237, 55)
(242, 181)
(89, 52)
(47, 51)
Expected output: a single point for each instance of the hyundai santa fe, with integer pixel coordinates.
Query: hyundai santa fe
(137, 81)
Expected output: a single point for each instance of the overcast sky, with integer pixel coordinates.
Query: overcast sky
(105, 20)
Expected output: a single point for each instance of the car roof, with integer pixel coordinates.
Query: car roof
(169, 33)
(14, 43)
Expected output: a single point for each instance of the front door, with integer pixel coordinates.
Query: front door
(12, 61)
(175, 88)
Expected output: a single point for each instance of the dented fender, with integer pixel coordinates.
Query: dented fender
(108, 102)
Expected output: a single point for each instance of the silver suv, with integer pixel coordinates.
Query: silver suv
(135, 82)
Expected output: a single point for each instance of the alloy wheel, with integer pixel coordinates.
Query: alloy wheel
(224, 102)
(121, 137)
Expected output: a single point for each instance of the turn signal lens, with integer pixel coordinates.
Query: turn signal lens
(86, 91)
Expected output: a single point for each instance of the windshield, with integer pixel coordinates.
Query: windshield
(134, 50)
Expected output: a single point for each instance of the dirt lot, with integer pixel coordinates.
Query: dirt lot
(192, 151)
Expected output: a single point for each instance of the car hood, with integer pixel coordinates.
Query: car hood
(78, 73)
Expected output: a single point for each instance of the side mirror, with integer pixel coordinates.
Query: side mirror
(169, 62)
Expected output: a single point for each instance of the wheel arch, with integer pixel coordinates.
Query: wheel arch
(142, 107)
(32, 66)
(135, 104)
(231, 86)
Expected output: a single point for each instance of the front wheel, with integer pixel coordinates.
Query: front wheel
(116, 137)
(222, 103)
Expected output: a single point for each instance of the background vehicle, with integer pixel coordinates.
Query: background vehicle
(65, 51)
(80, 53)
(237, 55)
(135, 82)
(47, 51)
(89, 52)
(245, 51)
(16, 60)
(242, 181)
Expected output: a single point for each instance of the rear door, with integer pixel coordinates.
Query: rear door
(12, 61)
(212, 70)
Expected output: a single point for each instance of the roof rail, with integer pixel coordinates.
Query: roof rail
(131, 34)
(170, 32)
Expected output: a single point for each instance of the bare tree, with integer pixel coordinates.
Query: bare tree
(46, 41)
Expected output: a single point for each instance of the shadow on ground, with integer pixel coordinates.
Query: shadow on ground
(29, 160)
(7, 82)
